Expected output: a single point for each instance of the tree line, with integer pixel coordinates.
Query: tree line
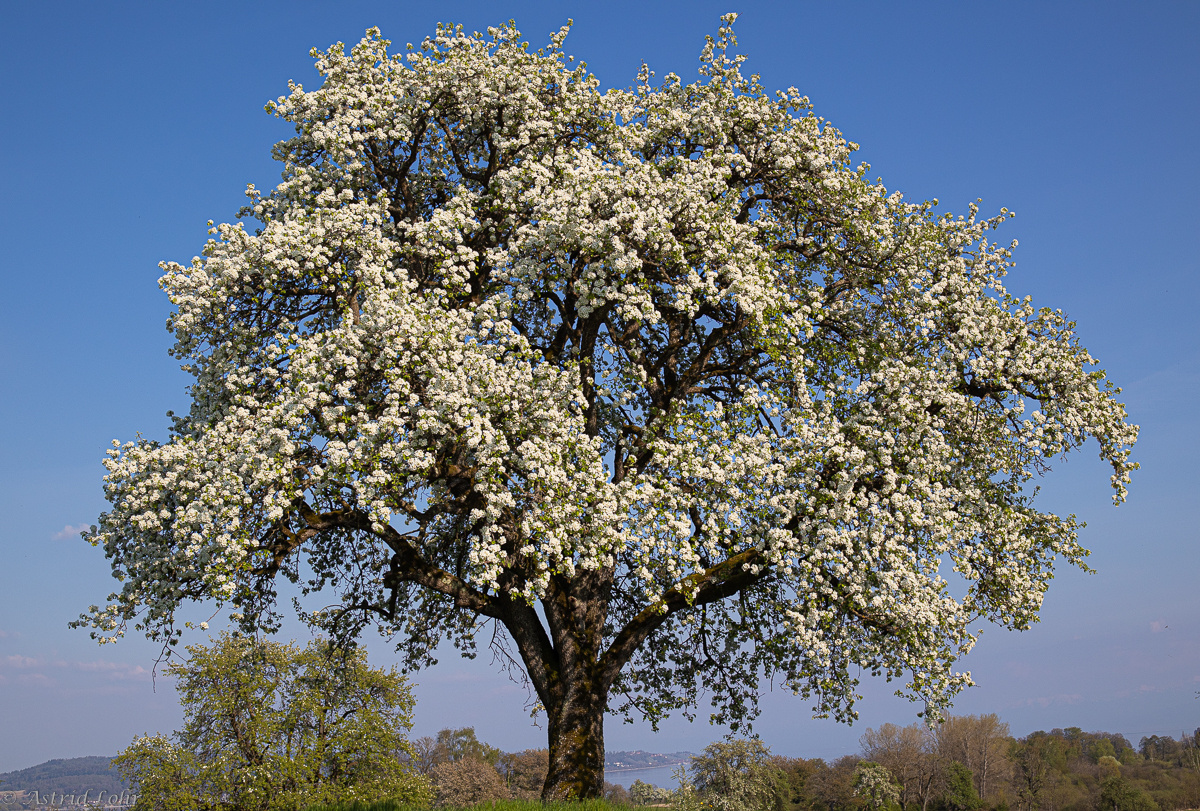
(270, 726)
(966, 763)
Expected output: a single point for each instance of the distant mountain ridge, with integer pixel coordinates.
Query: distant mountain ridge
(66, 776)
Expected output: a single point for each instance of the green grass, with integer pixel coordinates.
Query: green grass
(360, 805)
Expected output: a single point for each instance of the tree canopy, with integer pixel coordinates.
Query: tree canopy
(271, 727)
(654, 379)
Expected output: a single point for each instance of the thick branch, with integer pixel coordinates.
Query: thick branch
(715, 583)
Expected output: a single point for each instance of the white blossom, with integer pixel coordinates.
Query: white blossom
(499, 335)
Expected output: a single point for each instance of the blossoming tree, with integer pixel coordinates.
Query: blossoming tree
(652, 382)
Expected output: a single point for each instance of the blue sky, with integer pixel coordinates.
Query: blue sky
(127, 126)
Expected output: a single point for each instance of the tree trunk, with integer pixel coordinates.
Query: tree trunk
(576, 732)
(578, 690)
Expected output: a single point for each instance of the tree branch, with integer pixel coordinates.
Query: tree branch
(715, 583)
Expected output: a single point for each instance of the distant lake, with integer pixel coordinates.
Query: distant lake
(656, 776)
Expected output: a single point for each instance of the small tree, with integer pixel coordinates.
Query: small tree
(873, 784)
(738, 775)
(616, 794)
(462, 744)
(642, 793)
(467, 781)
(171, 777)
(525, 772)
(910, 754)
(424, 754)
(1118, 794)
(656, 379)
(834, 786)
(980, 743)
(801, 776)
(268, 727)
(960, 792)
(1036, 758)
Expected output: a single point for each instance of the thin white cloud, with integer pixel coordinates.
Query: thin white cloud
(36, 668)
(114, 670)
(1046, 701)
(1158, 626)
(68, 532)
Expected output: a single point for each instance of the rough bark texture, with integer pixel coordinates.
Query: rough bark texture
(576, 693)
(576, 745)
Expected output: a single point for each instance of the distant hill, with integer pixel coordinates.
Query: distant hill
(66, 776)
(96, 774)
(637, 759)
